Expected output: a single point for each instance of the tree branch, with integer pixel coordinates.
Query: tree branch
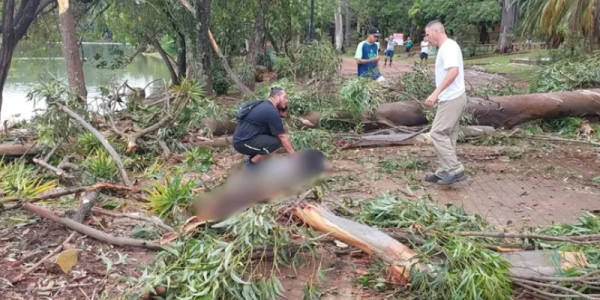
(136, 216)
(100, 137)
(580, 239)
(57, 171)
(89, 231)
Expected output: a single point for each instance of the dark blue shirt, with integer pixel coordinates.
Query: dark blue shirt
(367, 51)
(262, 119)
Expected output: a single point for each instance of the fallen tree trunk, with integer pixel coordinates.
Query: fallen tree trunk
(11, 149)
(498, 112)
(368, 239)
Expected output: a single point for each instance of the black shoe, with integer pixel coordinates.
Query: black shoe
(453, 178)
(432, 178)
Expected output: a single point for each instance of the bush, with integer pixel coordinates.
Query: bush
(102, 166)
(418, 84)
(164, 199)
(318, 60)
(361, 95)
(245, 72)
(284, 67)
(219, 78)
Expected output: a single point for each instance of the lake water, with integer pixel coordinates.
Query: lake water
(31, 66)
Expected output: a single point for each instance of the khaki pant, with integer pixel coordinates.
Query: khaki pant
(444, 133)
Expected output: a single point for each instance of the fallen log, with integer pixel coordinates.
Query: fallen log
(499, 112)
(11, 149)
(368, 239)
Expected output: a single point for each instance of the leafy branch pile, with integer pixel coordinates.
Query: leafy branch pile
(569, 74)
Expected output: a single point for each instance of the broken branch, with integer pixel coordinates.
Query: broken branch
(89, 231)
(57, 171)
(581, 239)
(136, 216)
(101, 138)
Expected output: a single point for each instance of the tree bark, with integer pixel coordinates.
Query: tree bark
(8, 43)
(166, 59)
(256, 42)
(339, 27)
(346, 15)
(507, 23)
(202, 59)
(70, 49)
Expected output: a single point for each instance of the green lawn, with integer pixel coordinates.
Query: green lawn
(501, 64)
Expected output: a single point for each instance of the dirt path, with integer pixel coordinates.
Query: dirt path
(474, 76)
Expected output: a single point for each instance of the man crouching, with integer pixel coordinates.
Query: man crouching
(260, 131)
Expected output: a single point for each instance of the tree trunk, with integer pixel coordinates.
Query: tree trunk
(166, 59)
(339, 27)
(70, 49)
(8, 43)
(202, 58)
(182, 56)
(346, 15)
(509, 19)
(256, 42)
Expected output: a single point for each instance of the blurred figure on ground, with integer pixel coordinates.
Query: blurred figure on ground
(367, 56)
(260, 131)
(389, 51)
(424, 50)
(452, 100)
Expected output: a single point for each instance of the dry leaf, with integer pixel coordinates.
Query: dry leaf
(573, 259)
(67, 259)
(340, 244)
(361, 272)
(191, 224)
(168, 238)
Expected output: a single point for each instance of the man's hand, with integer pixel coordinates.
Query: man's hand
(431, 100)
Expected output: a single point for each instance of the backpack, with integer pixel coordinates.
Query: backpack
(246, 108)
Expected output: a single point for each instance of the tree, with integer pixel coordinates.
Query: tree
(257, 39)
(549, 16)
(70, 49)
(509, 19)
(14, 27)
(339, 27)
(202, 63)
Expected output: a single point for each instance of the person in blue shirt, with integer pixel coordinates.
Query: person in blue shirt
(367, 56)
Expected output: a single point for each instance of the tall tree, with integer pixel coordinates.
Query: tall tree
(507, 23)
(347, 16)
(202, 52)
(14, 27)
(258, 36)
(339, 27)
(70, 49)
(549, 17)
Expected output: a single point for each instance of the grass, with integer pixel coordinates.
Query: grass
(501, 64)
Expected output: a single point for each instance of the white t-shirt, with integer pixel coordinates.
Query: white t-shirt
(425, 47)
(449, 56)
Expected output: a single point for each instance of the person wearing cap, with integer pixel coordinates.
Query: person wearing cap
(367, 56)
(260, 132)
(451, 101)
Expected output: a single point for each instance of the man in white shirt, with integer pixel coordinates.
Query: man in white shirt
(424, 49)
(452, 100)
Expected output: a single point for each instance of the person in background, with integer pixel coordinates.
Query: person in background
(452, 100)
(260, 131)
(424, 49)
(367, 56)
(408, 45)
(389, 51)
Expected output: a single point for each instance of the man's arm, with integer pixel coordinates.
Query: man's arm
(286, 143)
(450, 77)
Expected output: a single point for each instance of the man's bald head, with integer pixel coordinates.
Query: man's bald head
(436, 32)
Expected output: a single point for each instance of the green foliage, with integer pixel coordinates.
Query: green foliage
(315, 60)
(220, 265)
(391, 15)
(145, 233)
(219, 79)
(313, 139)
(361, 95)
(199, 159)
(19, 181)
(468, 271)
(174, 194)
(244, 71)
(284, 67)
(459, 17)
(53, 125)
(101, 166)
(88, 143)
(568, 74)
(386, 211)
(418, 84)
(402, 164)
